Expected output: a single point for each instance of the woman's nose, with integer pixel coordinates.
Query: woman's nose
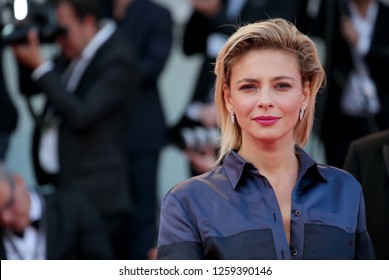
(265, 99)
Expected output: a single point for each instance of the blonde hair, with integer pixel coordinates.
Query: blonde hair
(267, 34)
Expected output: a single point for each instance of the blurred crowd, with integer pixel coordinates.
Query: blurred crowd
(97, 140)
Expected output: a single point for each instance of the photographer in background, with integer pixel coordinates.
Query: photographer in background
(90, 89)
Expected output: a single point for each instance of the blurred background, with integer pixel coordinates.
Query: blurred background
(176, 86)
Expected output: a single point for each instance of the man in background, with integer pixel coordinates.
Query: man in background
(90, 89)
(368, 160)
(55, 225)
(149, 27)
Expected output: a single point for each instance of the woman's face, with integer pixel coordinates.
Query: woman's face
(266, 95)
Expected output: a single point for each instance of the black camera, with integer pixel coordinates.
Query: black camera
(199, 138)
(39, 16)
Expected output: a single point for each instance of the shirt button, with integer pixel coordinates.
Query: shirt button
(297, 213)
(294, 252)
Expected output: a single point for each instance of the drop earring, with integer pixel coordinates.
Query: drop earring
(302, 111)
(232, 116)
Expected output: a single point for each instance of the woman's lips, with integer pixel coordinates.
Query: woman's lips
(266, 120)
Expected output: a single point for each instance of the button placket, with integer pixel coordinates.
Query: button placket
(294, 251)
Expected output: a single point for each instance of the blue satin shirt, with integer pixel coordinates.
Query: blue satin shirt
(232, 212)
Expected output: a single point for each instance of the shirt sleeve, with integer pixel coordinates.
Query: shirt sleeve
(42, 69)
(178, 238)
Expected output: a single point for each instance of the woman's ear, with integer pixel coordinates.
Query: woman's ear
(306, 93)
(227, 97)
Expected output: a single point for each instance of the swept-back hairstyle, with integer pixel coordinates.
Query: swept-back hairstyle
(278, 34)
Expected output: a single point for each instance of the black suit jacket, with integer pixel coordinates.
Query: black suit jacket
(8, 112)
(93, 120)
(149, 27)
(368, 161)
(74, 231)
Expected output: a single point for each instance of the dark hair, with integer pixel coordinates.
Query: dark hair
(83, 8)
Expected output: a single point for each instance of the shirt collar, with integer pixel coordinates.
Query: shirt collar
(372, 12)
(106, 30)
(364, 25)
(235, 166)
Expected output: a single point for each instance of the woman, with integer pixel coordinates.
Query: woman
(267, 198)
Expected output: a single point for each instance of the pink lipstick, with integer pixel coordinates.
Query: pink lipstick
(266, 120)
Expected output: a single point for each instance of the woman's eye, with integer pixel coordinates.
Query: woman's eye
(283, 85)
(247, 87)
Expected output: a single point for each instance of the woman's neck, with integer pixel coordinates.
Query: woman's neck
(271, 159)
